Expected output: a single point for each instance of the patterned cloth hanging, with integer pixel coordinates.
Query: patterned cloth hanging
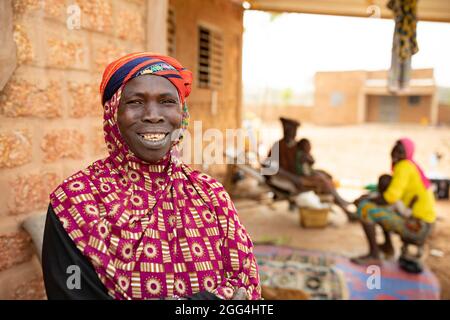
(404, 43)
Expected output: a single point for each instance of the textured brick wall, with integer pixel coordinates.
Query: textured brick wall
(50, 115)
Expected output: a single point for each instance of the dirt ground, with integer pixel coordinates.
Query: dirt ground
(355, 156)
(440, 240)
(358, 154)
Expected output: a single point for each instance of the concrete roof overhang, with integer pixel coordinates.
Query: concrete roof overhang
(428, 10)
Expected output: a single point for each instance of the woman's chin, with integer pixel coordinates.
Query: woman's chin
(153, 155)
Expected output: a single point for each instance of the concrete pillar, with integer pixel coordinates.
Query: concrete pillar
(156, 16)
(239, 94)
(361, 107)
(434, 110)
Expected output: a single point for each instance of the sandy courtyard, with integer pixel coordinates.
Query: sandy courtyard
(358, 154)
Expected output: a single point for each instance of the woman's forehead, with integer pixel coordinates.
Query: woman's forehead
(150, 84)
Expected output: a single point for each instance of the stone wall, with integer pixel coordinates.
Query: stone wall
(50, 114)
(226, 18)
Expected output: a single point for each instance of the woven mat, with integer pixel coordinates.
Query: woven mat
(300, 274)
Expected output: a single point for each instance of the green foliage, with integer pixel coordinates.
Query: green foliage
(287, 95)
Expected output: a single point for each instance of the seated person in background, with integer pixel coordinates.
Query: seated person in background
(294, 159)
(282, 157)
(408, 185)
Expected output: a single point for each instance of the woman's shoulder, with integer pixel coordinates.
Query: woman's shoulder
(405, 165)
(206, 180)
(214, 194)
(211, 186)
(84, 175)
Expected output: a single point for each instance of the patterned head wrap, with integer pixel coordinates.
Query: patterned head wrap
(119, 72)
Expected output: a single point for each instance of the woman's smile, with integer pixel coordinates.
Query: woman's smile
(154, 140)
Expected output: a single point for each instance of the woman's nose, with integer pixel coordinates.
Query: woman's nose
(152, 114)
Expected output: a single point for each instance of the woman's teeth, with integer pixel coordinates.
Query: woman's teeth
(153, 136)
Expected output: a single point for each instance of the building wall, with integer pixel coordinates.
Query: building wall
(225, 17)
(50, 115)
(329, 84)
(415, 74)
(419, 113)
(348, 86)
(372, 110)
(444, 114)
(350, 83)
(273, 113)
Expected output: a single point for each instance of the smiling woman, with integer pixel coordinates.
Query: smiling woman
(149, 113)
(140, 224)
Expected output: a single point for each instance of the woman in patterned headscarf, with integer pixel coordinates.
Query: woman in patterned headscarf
(140, 224)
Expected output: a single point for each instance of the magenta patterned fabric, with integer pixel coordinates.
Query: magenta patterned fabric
(155, 230)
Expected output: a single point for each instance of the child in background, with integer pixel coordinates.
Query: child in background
(399, 207)
(305, 160)
(383, 183)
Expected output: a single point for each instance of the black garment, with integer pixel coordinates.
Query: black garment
(59, 253)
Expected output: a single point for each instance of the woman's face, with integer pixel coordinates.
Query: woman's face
(149, 112)
(398, 153)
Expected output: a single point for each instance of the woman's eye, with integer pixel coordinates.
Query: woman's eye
(134, 102)
(169, 101)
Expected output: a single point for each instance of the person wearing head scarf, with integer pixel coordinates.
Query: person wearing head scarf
(409, 186)
(140, 224)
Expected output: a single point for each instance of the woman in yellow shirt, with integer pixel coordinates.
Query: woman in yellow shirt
(410, 186)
